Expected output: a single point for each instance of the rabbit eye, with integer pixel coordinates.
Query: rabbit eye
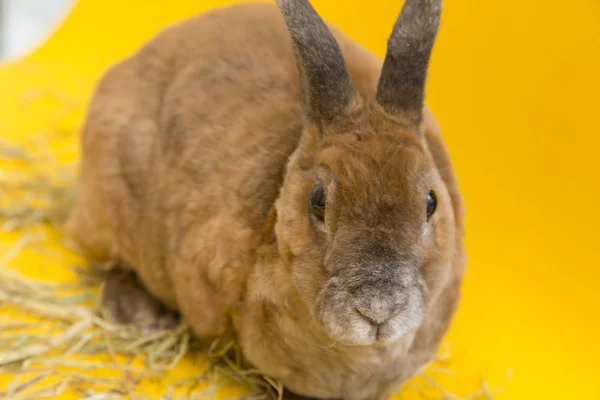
(431, 203)
(317, 202)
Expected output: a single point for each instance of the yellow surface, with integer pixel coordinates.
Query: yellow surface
(514, 85)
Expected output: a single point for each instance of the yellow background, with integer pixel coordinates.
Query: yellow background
(515, 86)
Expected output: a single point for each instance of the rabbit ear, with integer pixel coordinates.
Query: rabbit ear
(401, 88)
(326, 85)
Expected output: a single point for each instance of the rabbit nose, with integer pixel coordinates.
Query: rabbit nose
(378, 311)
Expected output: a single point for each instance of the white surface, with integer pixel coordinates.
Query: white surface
(25, 23)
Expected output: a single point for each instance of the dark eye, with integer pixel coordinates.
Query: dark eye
(431, 203)
(317, 202)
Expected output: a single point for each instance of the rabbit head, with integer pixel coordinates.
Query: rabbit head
(364, 220)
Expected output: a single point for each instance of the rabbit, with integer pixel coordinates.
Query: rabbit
(258, 172)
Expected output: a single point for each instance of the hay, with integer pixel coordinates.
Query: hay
(72, 347)
(75, 328)
(35, 188)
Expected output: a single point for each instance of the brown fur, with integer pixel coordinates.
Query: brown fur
(199, 156)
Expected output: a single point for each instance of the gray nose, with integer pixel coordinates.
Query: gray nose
(379, 309)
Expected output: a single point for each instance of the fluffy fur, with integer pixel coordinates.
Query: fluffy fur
(200, 152)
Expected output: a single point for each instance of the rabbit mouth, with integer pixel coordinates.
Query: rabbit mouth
(374, 317)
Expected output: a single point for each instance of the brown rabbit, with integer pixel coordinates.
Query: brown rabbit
(296, 193)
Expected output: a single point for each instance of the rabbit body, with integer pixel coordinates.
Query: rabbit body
(186, 151)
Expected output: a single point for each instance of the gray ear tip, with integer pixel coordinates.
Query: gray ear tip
(401, 86)
(287, 5)
(428, 7)
(326, 85)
